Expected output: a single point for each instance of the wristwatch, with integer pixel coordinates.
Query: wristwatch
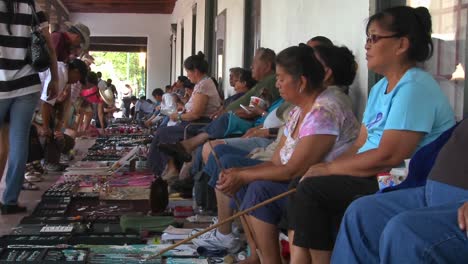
(179, 117)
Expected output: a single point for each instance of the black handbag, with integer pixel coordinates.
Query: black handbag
(38, 52)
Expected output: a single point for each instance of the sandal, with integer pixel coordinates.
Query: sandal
(28, 186)
(33, 177)
(38, 167)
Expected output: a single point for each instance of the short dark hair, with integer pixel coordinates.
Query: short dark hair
(188, 84)
(99, 74)
(82, 68)
(92, 78)
(133, 98)
(182, 78)
(236, 71)
(196, 62)
(301, 61)
(246, 76)
(322, 40)
(341, 61)
(414, 23)
(142, 97)
(267, 55)
(157, 92)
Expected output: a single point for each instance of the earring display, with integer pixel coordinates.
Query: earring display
(34, 240)
(44, 255)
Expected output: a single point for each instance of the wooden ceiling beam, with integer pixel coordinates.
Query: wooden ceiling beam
(120, 6)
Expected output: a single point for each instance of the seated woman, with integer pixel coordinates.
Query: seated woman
(322, 120)
(414, 225)
(221, 126)
(202, 104)
(405, 111)
(235, 74)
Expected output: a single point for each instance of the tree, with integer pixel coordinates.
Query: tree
(122, 66)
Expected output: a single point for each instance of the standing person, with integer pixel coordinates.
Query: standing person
(406, 110)
(67, 46)
(127, 99)
(109, 85)
(20, 88)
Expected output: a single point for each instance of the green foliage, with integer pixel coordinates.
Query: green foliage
(121, 67)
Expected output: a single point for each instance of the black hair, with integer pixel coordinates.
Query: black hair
(246, 76)
(142, 97)
(79, 65)
(236, 71)
(157, 92)
(322, 40)
(341, 61)
(267, 55)
(300, 61)
(92, 78)
(168, 86)
(133, 98)
(196, 62)
(188, 84)
(182, 78)
(414, 23)
(99, 74)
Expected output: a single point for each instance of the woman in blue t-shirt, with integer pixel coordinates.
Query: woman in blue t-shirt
(405, 111)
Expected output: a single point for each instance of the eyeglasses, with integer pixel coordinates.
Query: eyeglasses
(373, 38)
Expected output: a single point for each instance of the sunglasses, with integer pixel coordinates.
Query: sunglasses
(373, 38)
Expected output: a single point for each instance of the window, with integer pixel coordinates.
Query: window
(182, 48)
(194, 28)
(448, 64)
(220, 49)
(252, 30)
(449, 34)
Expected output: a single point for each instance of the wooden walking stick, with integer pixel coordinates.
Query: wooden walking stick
(248, 229)
(236, 215)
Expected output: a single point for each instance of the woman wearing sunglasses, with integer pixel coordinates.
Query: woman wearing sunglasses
(405, 111)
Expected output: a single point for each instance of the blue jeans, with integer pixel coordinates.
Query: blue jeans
(229, 157)
(248, 144)
(417, 225)
(21, 110)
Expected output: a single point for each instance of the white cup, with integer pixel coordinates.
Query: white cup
(407, 161)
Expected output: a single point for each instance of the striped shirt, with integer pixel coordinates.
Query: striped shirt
(17, 77)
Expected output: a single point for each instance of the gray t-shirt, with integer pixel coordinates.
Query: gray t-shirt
(451, 166)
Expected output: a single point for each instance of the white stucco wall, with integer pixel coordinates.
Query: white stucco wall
(289, 22)
(183, 11)
(154, 26)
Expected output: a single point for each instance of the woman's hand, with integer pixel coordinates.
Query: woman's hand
(463, 217)
(52, 89)
(257, 110)
(174, 116)
(256, 132)
(321, 169)
(148, 123)
(58, 135)
(230, 181)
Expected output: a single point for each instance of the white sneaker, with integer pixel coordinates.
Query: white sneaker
(212, 241)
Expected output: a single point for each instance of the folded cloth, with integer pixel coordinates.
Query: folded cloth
(140, 223)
